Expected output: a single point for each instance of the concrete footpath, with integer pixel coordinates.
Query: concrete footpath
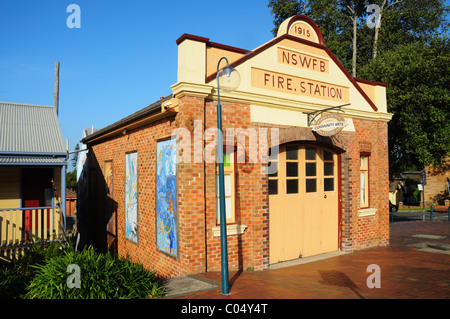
(416, 265)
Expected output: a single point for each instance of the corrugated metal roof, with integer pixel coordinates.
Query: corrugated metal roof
(29, 128)
(31, 160)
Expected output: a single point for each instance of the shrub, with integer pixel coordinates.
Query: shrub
(13, 282)
(15, 277)
(102, 276)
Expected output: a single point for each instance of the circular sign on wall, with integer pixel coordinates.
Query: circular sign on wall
(329, 124)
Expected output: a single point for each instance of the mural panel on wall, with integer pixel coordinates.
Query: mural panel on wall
(131, 197)
(166, 198)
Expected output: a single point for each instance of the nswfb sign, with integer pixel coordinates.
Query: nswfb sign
(329, 124)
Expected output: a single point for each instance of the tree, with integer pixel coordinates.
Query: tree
(71, 180)
(409, 51)
(75, 156)
(402, 22)
(71, 177)
(378, 12)
(284, 9)
(418, 95)
(355, 10)
(406, 21)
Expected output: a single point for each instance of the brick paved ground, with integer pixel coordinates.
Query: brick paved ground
(406, 272)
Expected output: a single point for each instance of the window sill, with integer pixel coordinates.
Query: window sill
(366, 212)
(231, 230)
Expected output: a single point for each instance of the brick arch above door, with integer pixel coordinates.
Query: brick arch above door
(288, 134)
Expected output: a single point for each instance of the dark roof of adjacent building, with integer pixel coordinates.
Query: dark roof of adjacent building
(27, 129)
(88, 131)
(142, 113)
(70, 194)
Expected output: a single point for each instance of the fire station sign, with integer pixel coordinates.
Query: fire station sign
(329, 124)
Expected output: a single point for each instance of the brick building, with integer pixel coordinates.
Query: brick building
(301, 179)
(437, 190)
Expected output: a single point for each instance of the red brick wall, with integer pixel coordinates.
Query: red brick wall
(436, 189)
(71, 206)
(251, 248)
(366, 231)
(199, 249)
(142, 140)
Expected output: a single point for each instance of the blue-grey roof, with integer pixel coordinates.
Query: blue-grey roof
(31, 160)
(30, 129)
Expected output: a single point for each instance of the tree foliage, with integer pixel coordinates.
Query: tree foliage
(402, 22)
(75, 156)
(418, 95)
(409, 51)
(71, 180)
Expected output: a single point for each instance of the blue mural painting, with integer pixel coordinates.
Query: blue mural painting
(131, 197)
(166, 198)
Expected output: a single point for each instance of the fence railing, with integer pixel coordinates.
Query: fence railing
(21, 225)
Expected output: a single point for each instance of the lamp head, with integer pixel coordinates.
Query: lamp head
(227, 70)
(228, 79)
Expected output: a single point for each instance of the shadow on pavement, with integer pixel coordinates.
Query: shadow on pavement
(338, 278)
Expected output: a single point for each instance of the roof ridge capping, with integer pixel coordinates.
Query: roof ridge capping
(26, 104)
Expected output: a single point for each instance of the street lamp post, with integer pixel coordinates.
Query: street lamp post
(231, 82)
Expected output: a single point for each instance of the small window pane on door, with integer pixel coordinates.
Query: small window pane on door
(292, 186)
(311, 185)
(291, 152)
(328, 184)
(310, 154)
(292, 169)
(327, 156)
(310, 169)
(273, 187)
(328, 169)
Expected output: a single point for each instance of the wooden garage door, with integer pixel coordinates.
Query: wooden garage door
(303, 203)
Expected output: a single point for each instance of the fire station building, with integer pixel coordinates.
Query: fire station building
(305, 161)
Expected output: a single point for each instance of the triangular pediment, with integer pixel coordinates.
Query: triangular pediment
(297, 65)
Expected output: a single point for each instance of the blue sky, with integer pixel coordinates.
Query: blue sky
(123, 58)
